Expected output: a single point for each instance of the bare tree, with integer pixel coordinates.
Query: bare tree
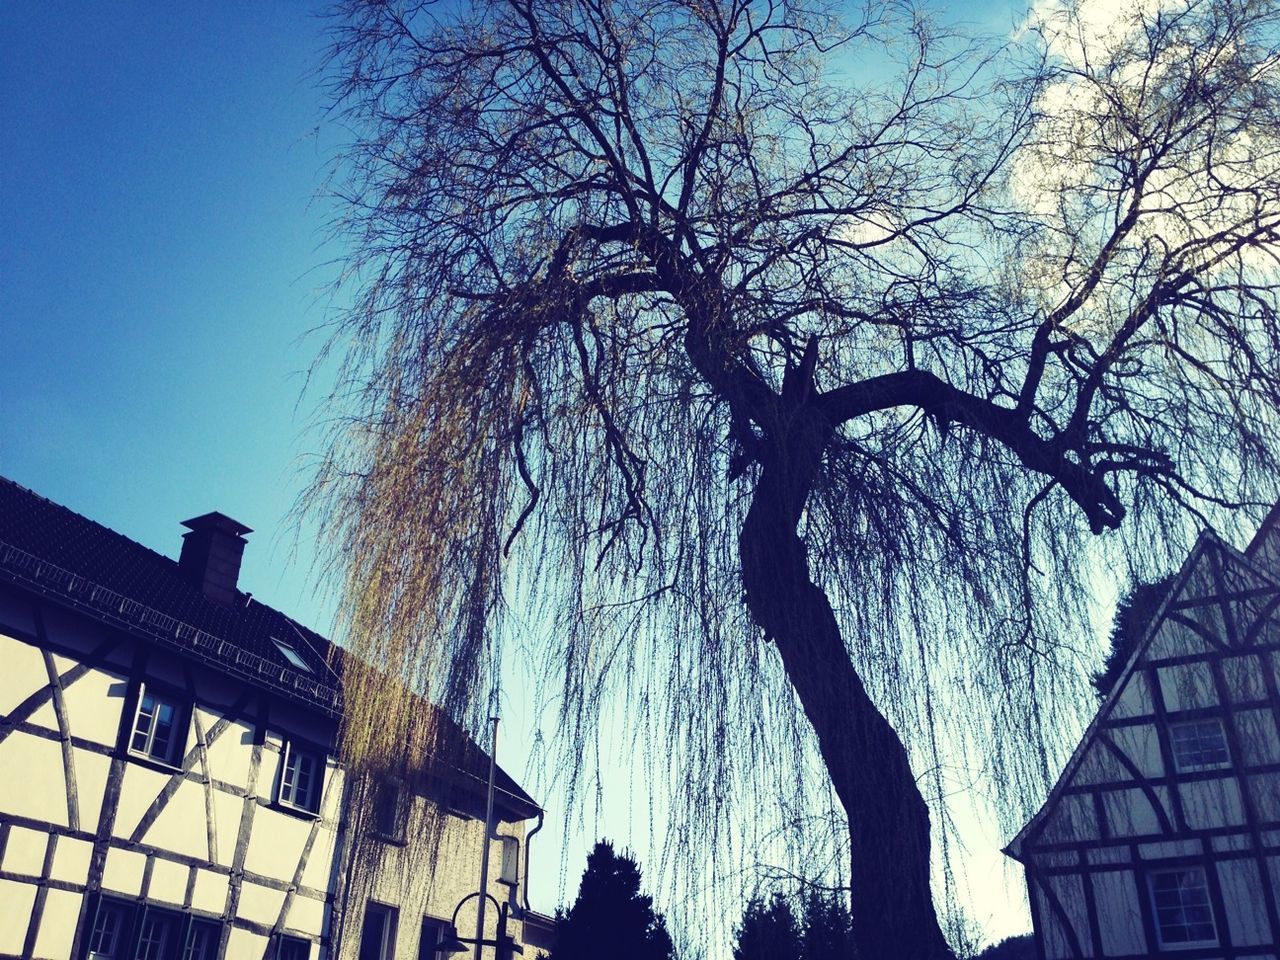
(667, 309)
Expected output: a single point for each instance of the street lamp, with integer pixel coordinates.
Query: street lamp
(504, 946)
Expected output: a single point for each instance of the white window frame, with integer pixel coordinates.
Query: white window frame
(180, 725)
(317, 757)
(1208, 903)
(1188, 767)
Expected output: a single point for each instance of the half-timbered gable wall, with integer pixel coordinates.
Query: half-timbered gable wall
(1162, 836)
(88, 823)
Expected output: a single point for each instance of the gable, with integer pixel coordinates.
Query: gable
(1213, 643)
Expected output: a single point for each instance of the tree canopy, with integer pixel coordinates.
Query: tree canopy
(789, 365)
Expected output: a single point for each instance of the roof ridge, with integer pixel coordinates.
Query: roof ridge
(97, 523)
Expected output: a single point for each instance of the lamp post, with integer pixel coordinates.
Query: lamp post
(504, 946)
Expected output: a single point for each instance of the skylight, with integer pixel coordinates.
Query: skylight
(291, 655)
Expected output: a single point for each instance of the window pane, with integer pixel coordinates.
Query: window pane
(292, 948)
(373, 933)
(202, 941)
(158, 939)
(108, 927)
(432, 934)
(1199, 745)
(1183, 911)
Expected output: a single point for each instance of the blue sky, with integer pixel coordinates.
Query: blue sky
(162, 259)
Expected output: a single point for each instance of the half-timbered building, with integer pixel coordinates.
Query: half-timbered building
(169, 788)
(1162, 834)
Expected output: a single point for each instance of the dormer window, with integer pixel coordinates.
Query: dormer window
(301, 778)
(292, 655)
(1199, 745)
(159, 727)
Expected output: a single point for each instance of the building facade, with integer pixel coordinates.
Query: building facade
(169, 786)
(1162, 835)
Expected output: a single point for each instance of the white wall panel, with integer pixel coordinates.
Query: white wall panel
(260, 903)
(1142, 746)
(1119, 913)
(71, 860)
(91, 785)
(210, 892)
(1134, 699)
(36, 763)
(182, 824)
(1212, 803)
(24, 852)
(227, 809)
(139, 787)
(1265, 788)
(57, 925)
(24, 672)
(231, 755)
(1259, 740)
(306, 915)
(123, 871)
(168, 882)
(1174, 640)
(16, 900)
(94, 701)
(1243, 899)
(1129, 813)
(1187, 686)
(318, 873)
(275, 846)
(1244, 678)
(243, 945)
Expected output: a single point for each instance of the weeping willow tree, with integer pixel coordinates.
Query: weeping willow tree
(791, 361)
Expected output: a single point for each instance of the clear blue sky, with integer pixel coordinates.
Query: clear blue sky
(161, 259)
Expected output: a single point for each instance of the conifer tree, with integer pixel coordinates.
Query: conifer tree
(611, 917)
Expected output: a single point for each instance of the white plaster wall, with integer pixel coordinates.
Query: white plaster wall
(24, 672)
(1142, 746)
(1134, 699)
(1119, 913)
(1187, 686)
(32, 768)
(16, 900)
(57, 925)
(1211, 803)
(1243, 899)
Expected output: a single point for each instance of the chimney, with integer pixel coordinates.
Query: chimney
(211, 555)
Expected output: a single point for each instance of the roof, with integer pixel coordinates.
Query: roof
(49, 549)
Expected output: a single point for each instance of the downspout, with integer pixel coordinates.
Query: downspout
(527, 840)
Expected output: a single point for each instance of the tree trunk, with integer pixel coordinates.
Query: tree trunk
(891, 900)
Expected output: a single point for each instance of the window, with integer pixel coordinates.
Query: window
(301, 778)
(292, 948)
(1180, 899)
(292, 655)
(159, 728)
(202, 940)
(1199, 745)
(389, 809)
(110, 931)
(432, 933)
(378, 934)
(158, 938)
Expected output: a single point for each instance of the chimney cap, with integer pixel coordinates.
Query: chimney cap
(217, 521)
